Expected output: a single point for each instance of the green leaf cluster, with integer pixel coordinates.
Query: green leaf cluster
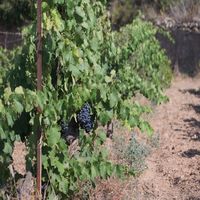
(16, 12)
(142, 58)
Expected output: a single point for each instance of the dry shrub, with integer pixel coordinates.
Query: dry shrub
(115, 189)
(186, 10)
(25, 187)
(19, 157)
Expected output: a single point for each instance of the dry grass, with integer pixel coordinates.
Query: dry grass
(113, 189)
(186, 11)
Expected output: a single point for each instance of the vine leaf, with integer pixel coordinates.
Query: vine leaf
(53, 136)
(19, 90)
(18, 106)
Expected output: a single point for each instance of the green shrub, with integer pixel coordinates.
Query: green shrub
(133, 154)
(16, 12)
(142, 54)
(136, 153)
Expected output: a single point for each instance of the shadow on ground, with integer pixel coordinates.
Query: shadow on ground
(196, 108)
(191, 153)
(191, 129)
(191, 91)
(193, 198)
(192, 122)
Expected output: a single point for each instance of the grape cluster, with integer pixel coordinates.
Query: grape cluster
(84, 118)
(64, 127)
(70, 130)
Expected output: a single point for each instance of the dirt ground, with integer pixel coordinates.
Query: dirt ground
(173, 169)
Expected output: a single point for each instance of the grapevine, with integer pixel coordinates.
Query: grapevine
(84, 61)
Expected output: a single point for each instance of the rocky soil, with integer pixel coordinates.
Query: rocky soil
(174, 168)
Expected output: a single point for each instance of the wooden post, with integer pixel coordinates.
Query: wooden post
(39, 87)
(39, 45)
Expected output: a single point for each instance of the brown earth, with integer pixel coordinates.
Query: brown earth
(173, 169)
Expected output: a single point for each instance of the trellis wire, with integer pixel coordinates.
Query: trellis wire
(8, 40)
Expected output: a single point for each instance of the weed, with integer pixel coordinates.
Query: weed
(133, 154)
(136, 153)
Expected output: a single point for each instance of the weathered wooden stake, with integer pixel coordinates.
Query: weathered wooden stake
(39, 87)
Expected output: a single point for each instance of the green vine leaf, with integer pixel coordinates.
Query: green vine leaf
(53, 136)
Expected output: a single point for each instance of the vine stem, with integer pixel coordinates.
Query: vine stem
(39, 87)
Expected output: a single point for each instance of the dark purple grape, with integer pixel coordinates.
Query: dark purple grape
(64, 127)
(84, 118)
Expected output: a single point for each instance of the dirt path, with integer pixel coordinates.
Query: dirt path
(174, 168)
